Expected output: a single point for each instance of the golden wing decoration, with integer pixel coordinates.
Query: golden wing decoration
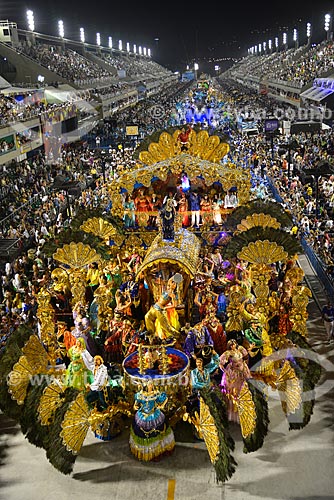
(75, 424)
(246, 410)
(99, 227)
(221, 151)
(290, 389)
(76, 255)
(263, 252)
(254, 220)
(51, 399)
(33, 362)
(146, 158)
(208, 431)
(212, 144)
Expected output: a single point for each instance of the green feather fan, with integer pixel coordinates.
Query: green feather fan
(271, 208)
(289, 242)
(225, 463)
(256, 439)
(309, 372)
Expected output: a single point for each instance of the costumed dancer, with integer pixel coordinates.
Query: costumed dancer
(235, 373)
(150, 435)
(79, 372)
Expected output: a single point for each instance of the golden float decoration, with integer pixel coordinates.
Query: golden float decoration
(246, 411)
(75, 424)
(208, 431)
(255, 220)
(288, 385)
(262, 252)
(103, 229)
(34, 361)
(76, 255)
(50, 401)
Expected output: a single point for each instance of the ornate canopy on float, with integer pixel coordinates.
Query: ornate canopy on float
(202, 158)
(183, 251)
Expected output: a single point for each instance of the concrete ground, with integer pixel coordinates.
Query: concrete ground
(294, 465)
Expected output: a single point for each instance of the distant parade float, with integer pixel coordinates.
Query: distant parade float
(165, 311)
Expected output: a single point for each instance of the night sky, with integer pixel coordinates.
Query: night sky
(186, 32)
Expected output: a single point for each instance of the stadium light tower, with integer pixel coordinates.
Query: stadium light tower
(295, 38)
(276, 43)
(196, 68)
(308, 33)
(127, 47)
(260, 48)
(270, 45)
(285, 40)
(98, 39)
(149, 53)
(144, 51)
(82, 35)
(328, 26)
(134, 48)
(61, 31)
(120, 45)
(140, 50)
(110, 42)
(30, 20)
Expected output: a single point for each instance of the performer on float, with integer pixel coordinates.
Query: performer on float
(235, 372)
(217, 204)
(156, 319)
(185, 182)
(183, 137)
(183, 210)
(200, 377)
(120, 332)
(217, 332)
(197, 338)
(80, 370)
(230, 200)
(143, 205)
(95, 389)
(155, 207)
(207, 302)
(194, 205)
(167, 215)
(129, 217)
(150, 436)
(206, 210)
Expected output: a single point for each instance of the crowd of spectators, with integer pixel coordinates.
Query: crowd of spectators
(67, 63)
(295, 66)
(32, 212)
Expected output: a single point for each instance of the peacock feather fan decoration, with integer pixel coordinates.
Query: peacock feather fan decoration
(283, 239)
(273, 209)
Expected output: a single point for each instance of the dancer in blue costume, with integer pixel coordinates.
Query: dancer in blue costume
(150, 435)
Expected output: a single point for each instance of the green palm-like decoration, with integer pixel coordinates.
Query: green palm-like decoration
(271, 208)
(282, 238)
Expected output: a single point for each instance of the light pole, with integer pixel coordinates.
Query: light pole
(328, 27)
(308, 33)
(31, 25)
(196, 68)
(30, 20)
(82, 35)
(295, 38)
(61, 31)
(285, 41)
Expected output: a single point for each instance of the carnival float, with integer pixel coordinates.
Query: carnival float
(145, 325)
